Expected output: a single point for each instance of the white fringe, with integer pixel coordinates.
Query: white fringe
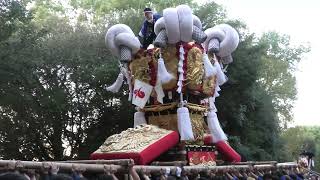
(163, 74)
(115, 87)
(208, 68)
(221, 77)
(216, 92)
(184, 124)
(215, 128)
(139, 119)
(212, 106)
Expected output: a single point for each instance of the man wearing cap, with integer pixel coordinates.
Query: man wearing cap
(146, 34)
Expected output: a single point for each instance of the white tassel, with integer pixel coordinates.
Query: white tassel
(139, 119)
(216, 93)
(208, 68)
(184, 124)
(115, 87)
(221, 77)
(159, 90)
(163, 74)
(215, 128)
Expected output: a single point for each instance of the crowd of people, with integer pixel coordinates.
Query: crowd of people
(228, 173)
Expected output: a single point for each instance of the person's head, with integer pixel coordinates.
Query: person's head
(148, 14)
(12, 176)
(313, 177)
(171, 178)
(203, 178)
(267, 177)
(105, 177)
(61, 177)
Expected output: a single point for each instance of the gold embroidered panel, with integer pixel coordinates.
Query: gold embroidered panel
(209, 85)
(140, 69)
(133, 139)
(195, 69)
(171, 62)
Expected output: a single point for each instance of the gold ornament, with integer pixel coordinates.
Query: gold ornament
(195, 70)
(140, 69)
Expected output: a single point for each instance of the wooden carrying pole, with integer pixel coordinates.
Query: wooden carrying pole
(217, 168)
(255, 162)
(117, 162)
(64, 166)
(100, 168)
(173, 163)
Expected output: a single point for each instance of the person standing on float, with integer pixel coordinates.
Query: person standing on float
(147, 34)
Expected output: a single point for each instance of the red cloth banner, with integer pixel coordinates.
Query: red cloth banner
(201, 158)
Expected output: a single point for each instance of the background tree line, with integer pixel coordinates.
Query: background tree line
(54, 66)
(302, 138)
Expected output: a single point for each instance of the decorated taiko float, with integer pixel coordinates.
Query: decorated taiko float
(173, 86)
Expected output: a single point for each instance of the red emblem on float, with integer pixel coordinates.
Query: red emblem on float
(139, 93)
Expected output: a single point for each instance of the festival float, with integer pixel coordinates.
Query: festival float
(173, 85)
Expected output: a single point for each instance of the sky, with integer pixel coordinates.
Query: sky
(300, 20)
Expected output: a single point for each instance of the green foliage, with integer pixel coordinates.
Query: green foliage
(101, 7)
(210, 14)
(298, 139)
(244, 104)
(12, 16)
(53, 69)
(52, 92)
(276, 74)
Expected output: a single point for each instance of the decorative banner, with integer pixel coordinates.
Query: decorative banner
(203, 158)
(141, 93)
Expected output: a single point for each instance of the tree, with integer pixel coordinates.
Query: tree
(12, 15)
(52, 92)
(298, 139)
(276, 74)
